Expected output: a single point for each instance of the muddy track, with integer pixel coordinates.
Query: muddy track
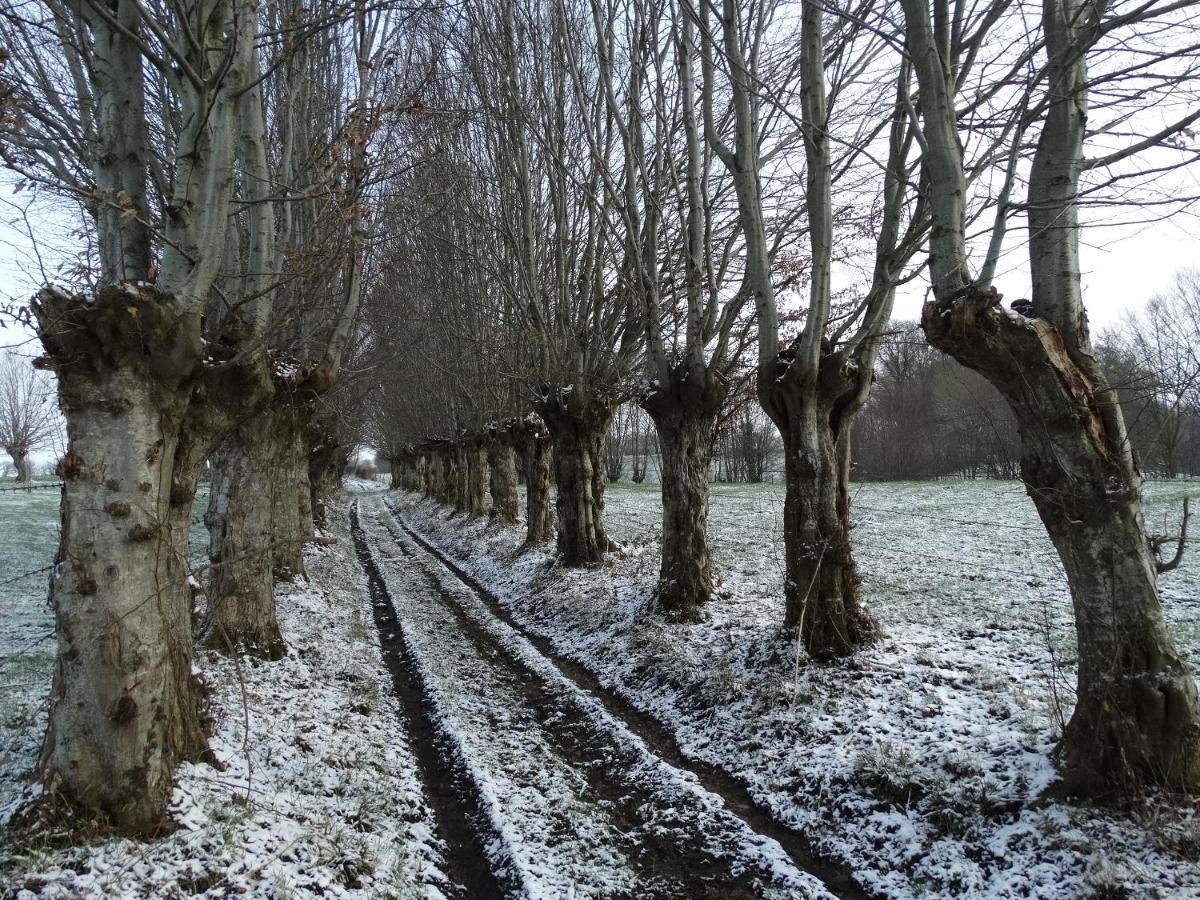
(837, 878)
(674, 838)
(456, 807)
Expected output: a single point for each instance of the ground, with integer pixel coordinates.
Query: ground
(921, 762)
(420, 724)
(317, 796)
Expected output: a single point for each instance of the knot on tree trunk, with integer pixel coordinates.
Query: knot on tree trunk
(122, 327)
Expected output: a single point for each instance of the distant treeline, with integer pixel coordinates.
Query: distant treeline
(929, 417)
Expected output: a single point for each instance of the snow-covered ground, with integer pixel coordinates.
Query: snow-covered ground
(579, 806)
(318, 795)
(920, 762)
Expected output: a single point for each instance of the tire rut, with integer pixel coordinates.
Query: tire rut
(678, 843)
(456, 806)
(737, 798)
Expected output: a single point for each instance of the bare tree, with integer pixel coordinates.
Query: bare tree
(29, 417)
(1136, 717)
(89, 80)
(812, 386)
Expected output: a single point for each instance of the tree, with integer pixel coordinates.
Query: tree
(29, 418)
(812, 386)
(1136, 717)
(552, 218)
(87, 80)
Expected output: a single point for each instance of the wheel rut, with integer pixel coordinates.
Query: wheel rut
(635, 816)
(456, 806)
(837, 878)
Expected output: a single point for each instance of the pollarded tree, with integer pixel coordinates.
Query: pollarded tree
(669, 204)
(84, 83)
(553, 219)
(1137, 716)
(29, 417)
(813, 385)
(333, 100)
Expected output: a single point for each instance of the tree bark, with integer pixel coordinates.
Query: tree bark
(20, 458)
(821, 582)
(685, 414)
(477, 478)
(241, 614)
(1135, 719)
(539, 519)
(124, 705)
(578, 424)
(291, 495)
(327, 458)
(502, 472)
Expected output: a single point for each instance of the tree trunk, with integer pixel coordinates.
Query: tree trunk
(1135, 719)
(685, 418)
(476, 454)
(539, 520)
(241, 594)
(123, 706)
(502, 471)
(456, 477)
(326, 460)
(20, 458)
(578, 426)
(821, 582)
(291, 496)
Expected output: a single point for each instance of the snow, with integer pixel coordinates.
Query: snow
(921, 761)
(316, 798)
(539, 792)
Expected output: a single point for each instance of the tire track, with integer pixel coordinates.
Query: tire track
(737, 798)
(646, 829)
(456, 806)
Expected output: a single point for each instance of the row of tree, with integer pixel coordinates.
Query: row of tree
(627, 196)
(228, 157)
(556, 206)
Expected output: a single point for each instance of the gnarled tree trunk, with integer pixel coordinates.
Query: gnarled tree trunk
(241, 614)
(476, 456)
(821, 582)
(1137, 715)
(123, 706)
(539, 517)
(21, 464)
(685, 413)
(502, 474)
(291, 496)
(578, 425)
(327, 458)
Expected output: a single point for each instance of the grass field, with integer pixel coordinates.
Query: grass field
(922, 761)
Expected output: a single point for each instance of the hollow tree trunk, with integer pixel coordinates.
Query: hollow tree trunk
(821, 581)
(123, 706)
(241, 614)
(685, 414)
(539, 518)
(502, 476)
(577, 428)
(476, 455)
(1137, 716)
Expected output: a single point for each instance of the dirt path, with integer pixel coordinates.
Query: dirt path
(577, 805)
(457, 807)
